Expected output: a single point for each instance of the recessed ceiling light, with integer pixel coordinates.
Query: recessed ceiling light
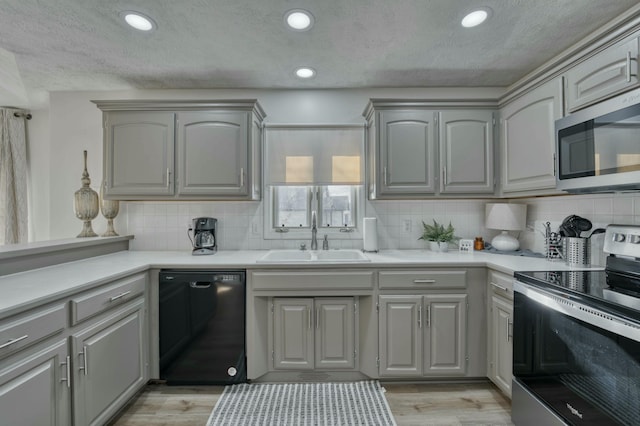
(299, 20)
(475, 18)
(138, 20)
(305, 72)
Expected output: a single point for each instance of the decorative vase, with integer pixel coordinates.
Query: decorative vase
(443, 246)
(109, 209)
(86, 203)
(434, 246)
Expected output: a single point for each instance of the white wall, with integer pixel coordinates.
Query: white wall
(76, 125)
(73, 124)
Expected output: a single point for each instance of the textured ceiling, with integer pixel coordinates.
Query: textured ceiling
(84, 45)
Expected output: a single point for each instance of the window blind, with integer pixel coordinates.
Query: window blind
(307, 155)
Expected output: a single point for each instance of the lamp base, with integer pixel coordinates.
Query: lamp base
(505, 242)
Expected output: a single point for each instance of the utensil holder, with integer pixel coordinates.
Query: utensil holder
(576, 251)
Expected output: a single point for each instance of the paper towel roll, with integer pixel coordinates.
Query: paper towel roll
(369, 234)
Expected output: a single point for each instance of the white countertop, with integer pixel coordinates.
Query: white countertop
(28, 289)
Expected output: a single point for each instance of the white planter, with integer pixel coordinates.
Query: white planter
(438, 246)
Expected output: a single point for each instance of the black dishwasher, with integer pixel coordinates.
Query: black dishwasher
(202, 327)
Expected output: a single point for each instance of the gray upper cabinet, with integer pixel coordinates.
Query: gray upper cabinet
(466, 151)
(608, 72)
(161, 150)
(212, 152)
(407, 152)
(527, 148)
(138, 153)
(415, 150)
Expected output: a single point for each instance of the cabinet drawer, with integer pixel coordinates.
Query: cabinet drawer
(312, 280)
(422, 279)
(97, 301)
(501, 284)
(30, 328)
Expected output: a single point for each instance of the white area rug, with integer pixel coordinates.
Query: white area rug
(358, 403)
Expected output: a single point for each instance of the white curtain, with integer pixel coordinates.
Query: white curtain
(13, 178)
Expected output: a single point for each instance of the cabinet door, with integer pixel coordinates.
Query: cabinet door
(400, 336)
(611, 71)
(138, 153)
(445, 345)
(528, 139)
(407, 152)
(335, 333)
(293, 334)
(35, 390)
(212, 153)
(466, 151)
(501, 368)
(109, 365)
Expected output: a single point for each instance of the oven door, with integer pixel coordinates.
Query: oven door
(571, 363)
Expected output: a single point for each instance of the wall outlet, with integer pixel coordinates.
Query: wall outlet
(254, 228)
(406, 225)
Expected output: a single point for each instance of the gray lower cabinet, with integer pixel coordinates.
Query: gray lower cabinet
(528, 138)
(500, 330)
(35, 388)
(423, 335)
(163, 150)
(314, 333)
(611, 71)
(109, 359)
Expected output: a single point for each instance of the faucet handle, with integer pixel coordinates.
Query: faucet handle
(325, 243)
(303, 246)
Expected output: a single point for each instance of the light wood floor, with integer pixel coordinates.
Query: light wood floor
(411, 404)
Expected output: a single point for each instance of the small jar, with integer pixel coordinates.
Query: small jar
(478, 244)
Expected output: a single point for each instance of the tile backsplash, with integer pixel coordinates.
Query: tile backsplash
(163, 225)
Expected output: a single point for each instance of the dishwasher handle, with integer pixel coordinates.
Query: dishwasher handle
(199, 284)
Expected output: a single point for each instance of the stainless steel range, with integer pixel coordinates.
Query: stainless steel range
(576, 340)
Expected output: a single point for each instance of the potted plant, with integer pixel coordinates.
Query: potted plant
(437, 235)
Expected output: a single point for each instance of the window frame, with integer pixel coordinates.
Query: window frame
(272, 231)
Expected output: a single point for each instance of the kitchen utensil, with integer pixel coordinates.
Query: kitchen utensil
(596, 231)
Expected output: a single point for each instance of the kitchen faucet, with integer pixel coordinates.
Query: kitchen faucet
(314, 232)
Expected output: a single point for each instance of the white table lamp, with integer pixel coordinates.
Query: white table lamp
(505, 217)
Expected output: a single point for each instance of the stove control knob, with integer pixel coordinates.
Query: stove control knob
(619, 238)
(634, 239)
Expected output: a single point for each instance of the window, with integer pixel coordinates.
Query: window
(313, 169)
(335, 206)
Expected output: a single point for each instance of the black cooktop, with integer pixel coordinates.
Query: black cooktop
(608, 291)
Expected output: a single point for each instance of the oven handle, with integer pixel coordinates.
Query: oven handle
(566, 305)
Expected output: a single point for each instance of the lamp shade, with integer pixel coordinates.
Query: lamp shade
(506, 217)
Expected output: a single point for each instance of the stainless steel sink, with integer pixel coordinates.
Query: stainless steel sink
(302, 256)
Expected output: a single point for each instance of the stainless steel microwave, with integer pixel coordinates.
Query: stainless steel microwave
(598, 148)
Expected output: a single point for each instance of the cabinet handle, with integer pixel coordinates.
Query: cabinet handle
(500, 287)
(242, 177)
(384, 175)
(628, 67)
(120, 296)
(68, 378)
(84, 360)
(12, 341)
(168, 177)
(420, 281)
(420, 316)
(444, 176)
(428, 316)
(317, 317)
(309, 311)
(508, 327)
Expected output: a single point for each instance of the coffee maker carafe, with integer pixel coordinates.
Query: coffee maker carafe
(204, 236)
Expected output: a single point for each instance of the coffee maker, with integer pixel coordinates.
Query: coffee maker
(204, 236)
